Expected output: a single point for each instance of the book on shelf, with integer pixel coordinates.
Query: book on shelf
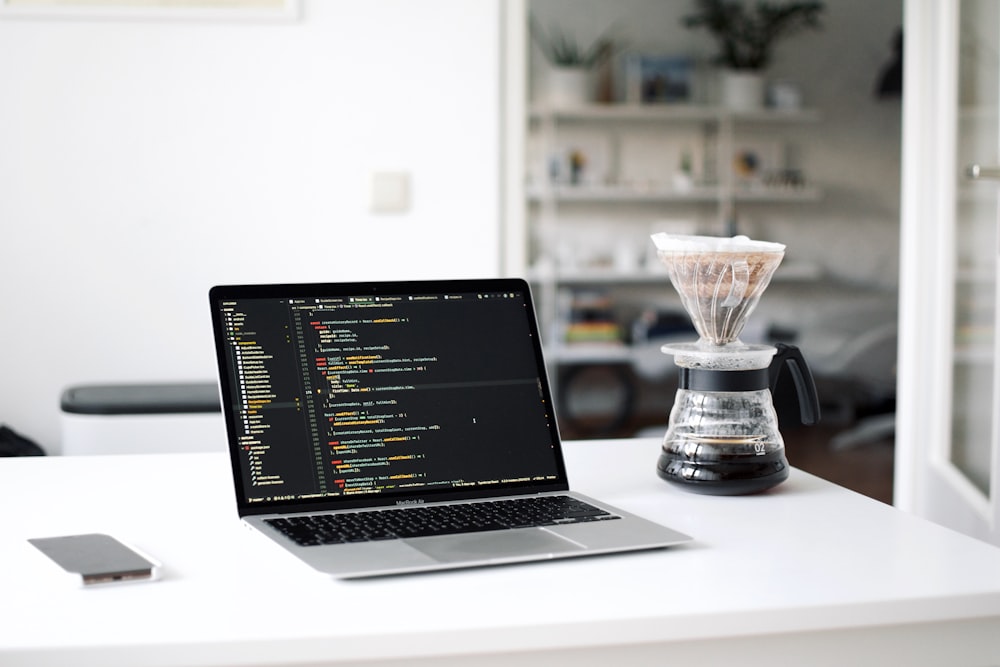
(590, 319)
(593, 332)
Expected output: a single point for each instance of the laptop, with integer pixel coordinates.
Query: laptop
(382, 428)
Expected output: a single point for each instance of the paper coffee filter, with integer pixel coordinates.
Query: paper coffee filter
(719, 279)
(691, 243)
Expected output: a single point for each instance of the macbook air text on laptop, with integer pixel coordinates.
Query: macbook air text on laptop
(388, 427)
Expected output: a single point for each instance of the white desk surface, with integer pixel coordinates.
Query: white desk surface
(808, 573)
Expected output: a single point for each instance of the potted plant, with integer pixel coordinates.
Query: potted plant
(746, 39)
(568, 76)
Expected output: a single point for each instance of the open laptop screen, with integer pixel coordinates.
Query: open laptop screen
(379, 393)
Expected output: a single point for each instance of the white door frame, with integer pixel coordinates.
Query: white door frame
(927, 482)
(514, 95)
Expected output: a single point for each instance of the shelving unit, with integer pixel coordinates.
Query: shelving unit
(716, 130)
(642, 162)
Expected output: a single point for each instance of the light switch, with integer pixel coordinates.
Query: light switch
(390, 192)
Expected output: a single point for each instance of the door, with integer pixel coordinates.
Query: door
(946, 451)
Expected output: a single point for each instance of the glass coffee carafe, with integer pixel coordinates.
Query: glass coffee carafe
(722, 437)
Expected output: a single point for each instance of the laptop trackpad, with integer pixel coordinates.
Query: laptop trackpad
(494, 545)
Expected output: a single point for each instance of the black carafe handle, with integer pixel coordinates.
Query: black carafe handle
(805, 387)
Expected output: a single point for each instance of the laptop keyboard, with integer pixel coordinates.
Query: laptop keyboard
(425, 521)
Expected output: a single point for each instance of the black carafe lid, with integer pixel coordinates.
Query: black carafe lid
(787, 356)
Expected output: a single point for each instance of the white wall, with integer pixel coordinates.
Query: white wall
(143, 161)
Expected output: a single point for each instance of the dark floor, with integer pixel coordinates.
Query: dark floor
(615, 403)
(866, 468)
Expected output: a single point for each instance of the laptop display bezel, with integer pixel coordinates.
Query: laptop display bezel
(224, 293)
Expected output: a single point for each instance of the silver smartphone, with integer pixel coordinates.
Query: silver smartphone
(96, 558)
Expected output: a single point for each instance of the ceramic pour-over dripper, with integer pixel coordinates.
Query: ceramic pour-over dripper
(720, 280)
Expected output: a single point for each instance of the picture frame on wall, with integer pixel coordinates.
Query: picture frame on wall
(268, 10)
(658, 79)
